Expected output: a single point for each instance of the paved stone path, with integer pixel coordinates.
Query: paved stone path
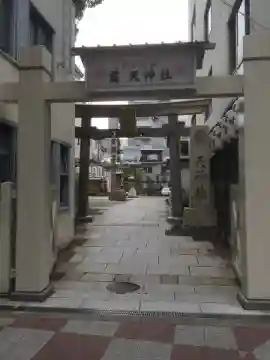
(127, 243)
(36, 337)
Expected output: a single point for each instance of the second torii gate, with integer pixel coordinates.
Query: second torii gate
(127, 115)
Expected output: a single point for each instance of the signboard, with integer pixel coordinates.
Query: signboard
(96, 172)
(200, 167)
(148, 67)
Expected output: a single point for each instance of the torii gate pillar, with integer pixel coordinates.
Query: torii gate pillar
(254, 242)
(33, 246)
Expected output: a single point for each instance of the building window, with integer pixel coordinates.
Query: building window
(64, 175)
(208, 20)
(41, 33)
(7, 153)
(193, 25)
(239, 26)
(6, 26)
(193, 120)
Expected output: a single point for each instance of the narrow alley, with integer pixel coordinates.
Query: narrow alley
(126, 243)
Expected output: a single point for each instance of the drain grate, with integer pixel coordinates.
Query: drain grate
(122, 287)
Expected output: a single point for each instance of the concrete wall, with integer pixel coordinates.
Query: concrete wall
(218, 59)
(59, 14)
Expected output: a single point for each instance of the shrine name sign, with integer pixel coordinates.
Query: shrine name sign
(140, 67)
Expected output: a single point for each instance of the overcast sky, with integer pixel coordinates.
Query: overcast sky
(134, 22)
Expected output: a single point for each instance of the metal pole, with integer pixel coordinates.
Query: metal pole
(175, 169)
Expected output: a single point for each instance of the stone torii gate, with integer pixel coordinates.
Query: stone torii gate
(127, 115)
(35, 91)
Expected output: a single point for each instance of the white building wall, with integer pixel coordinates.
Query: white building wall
(60, 15)
(218, 59)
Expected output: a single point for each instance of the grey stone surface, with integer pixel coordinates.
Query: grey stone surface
(211, 271)
(189, 335)
(263, 351)
(121, 349)
(22, 344)
(220, 337)
(101, 328)
(209, 336)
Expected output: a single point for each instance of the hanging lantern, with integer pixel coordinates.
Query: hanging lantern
(230, 123)
(218, 137)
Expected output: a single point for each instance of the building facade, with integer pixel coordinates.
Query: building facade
(132, 150)
(224, 23)
(25, 23)
(238, 130)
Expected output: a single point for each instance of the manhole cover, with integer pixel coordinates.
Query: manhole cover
(122, 287)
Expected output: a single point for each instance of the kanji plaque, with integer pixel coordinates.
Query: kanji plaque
(142, 67)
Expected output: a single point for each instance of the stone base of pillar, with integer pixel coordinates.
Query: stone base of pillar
(175, 220)
(32, 296)
(197, 233)
(117, 195)
(253, 304)
(85, 219)
(203, 217)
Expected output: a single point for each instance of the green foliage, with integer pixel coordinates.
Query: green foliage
(81, 5)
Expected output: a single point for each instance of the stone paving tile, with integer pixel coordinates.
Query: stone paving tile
(182, 289)
(91, 267)
(73, 275)
(200, 245)
(168, 269)
(206, 298)
(71, 302)
(35, 322)
(226, 309)
(72, 285)
(169, 279)
(158, 331)
(169, 306)
(101, 328)
(88, 250)
(144, 280)
(208, 289)
(250, 338)
(129, 269)
(211, 272)
(111, 305)
(189, 335)
(22, 344)
(262, 352)
(178, 259)
(208, 336)
(141, 258)
(77, 258)
(219, 337)
(123, 349)
(103, 258)
(97, 277)
(182, 352)
(6, 321)
(74, 347)
(158, 296)
(69, 293)
(206, 280)
(204, 260)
